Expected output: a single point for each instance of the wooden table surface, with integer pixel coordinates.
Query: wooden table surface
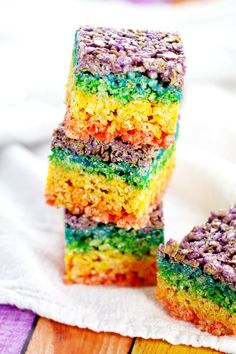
(24, 332)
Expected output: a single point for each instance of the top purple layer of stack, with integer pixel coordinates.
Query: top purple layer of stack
(105, 50)
(211, 246)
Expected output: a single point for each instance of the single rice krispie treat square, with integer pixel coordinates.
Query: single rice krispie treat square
(98, 253)
(125, 84)
(196, 279)
(84, 179)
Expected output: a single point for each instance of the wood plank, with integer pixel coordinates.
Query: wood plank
(150, 346)
(51, 337)
(15, 327)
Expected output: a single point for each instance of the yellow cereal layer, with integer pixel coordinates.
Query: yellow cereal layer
(96, 262)
(92, 109)
(202, 312)
(77, 189)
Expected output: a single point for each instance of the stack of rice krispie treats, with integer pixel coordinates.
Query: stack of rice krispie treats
(113, 155)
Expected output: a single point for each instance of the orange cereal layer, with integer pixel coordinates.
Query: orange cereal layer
(102, 133)
(205, 314)
(110, 267)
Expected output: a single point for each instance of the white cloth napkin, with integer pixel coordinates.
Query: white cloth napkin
(31, 233)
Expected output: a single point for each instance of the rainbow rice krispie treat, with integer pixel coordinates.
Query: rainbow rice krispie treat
(120, 192)
(113, 155)
(125, 84)
(98, 253)
(197, 278)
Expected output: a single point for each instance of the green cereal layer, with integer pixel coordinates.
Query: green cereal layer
(196, 282)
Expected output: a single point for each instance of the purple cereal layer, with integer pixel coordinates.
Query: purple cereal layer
(212, 246)
(105, 50)
(116, 151)
(83, 222)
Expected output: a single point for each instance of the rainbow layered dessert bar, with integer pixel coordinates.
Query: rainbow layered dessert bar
(125, 84)
(98, 253)
(197, 278)
(109, 182)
